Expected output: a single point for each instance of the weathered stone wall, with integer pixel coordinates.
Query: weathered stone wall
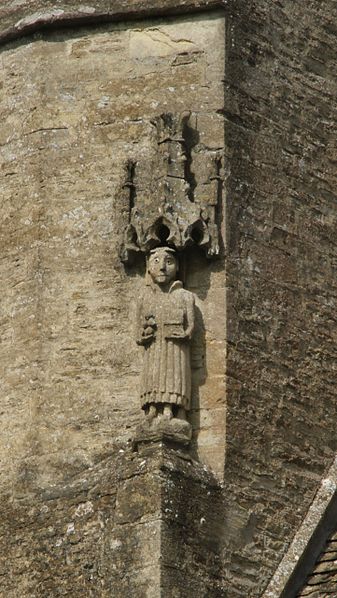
(19, 17)
(57, 542)
(322, 581)
(165, 540)
(282, 218)
(63, 403)
(76, 105)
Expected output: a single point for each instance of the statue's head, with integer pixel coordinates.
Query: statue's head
(163, 265)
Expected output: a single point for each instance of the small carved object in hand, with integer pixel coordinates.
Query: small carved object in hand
(149, 330)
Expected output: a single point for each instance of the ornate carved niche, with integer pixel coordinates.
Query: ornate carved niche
(174, 198)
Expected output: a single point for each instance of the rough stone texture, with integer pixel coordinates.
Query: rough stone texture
(19, 17)
(322, 582)
(174, 207)
(58, 544)
(137, 525)
(281, 215)
(75, 106)
(281, 75)
(309, 541)
(166, 541)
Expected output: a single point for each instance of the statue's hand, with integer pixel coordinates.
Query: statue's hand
(146, 339)
(148, 333)
(149, 328)
(178, 337)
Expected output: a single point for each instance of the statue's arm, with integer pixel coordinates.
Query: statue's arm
(190, 315)
(139, 322)
(189, 319)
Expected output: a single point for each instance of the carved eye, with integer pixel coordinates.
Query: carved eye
(156, 260)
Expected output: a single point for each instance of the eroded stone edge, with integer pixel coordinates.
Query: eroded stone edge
(27, 21)
(315, 514)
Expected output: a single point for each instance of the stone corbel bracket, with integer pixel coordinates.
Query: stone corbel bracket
(166, 202)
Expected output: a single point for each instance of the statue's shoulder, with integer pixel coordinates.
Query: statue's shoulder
(188, 295)
(178, 289)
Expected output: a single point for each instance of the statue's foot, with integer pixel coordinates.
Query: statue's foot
(159, 424)
(167, 411)
(181, 414)
(152, 413)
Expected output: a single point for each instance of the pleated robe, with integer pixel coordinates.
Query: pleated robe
(166, 374)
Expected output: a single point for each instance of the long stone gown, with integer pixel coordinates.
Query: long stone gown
(167, 369)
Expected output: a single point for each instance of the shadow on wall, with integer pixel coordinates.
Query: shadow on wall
(197, 276)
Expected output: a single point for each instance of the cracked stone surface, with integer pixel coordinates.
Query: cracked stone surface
(72, 103)
(67, 132)
(76, 104)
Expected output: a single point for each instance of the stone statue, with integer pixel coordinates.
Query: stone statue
(165, 322)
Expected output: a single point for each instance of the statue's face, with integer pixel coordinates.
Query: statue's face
(163, 267)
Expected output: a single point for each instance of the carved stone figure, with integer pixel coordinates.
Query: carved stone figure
(165, 326)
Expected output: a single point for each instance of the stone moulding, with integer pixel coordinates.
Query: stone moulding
(31, 16)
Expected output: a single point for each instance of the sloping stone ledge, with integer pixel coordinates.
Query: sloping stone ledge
(308, 541)
(21, 18)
